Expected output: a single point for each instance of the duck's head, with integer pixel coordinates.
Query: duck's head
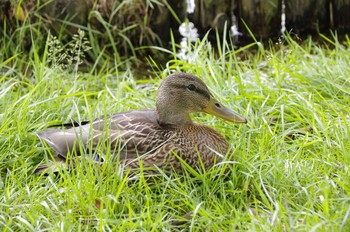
(181, 94)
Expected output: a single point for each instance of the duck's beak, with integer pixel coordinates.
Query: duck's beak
(217, 109)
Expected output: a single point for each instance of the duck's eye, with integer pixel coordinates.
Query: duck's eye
(191, 87)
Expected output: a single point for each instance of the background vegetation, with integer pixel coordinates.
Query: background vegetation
(290, 167)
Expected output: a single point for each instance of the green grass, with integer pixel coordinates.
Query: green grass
(290, 167)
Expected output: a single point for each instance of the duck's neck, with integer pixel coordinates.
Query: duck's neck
(173, 118)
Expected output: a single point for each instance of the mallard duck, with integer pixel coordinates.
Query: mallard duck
(159, 137)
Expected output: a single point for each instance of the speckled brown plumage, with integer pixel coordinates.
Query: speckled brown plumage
(158, 137)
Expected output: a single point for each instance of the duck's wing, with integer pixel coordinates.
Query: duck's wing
(64, 141)
(131, 136)
(130, 131)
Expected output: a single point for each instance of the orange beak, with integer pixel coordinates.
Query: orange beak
(217, 109)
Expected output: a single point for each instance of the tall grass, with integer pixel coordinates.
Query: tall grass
(290, 165)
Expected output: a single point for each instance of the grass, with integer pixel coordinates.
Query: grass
(290, 170)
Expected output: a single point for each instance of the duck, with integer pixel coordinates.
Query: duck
(161, 138)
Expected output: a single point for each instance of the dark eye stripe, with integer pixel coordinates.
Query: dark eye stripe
(197, 90)
(203, 92)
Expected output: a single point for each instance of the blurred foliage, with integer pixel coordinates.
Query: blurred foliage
(118, 28)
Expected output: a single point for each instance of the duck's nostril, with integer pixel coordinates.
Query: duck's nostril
(218, 105)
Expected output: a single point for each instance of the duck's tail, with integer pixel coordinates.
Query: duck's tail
(62, 142)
